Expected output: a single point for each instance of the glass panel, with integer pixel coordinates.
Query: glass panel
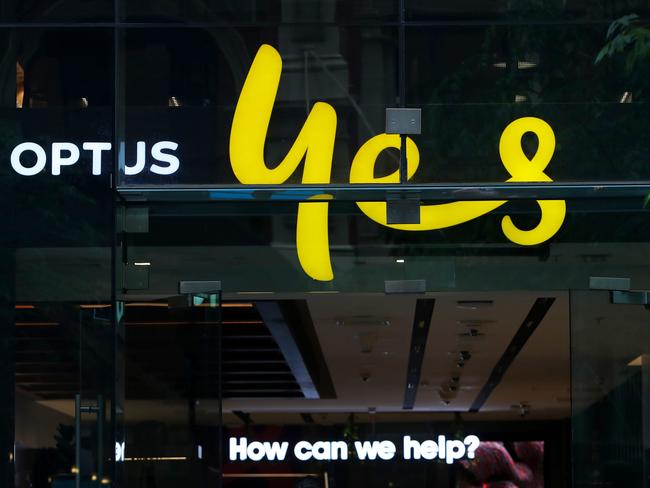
(181, 85)
(597, 237)
(171, 427)
(472, 81)
(62, 11)
(527, 10)
(57, 339)
(259, 12)
(181, 88)
(344, 361)
(610, 389)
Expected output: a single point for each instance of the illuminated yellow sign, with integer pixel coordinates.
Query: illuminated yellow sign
(315, 145)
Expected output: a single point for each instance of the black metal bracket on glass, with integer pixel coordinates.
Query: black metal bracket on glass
(620, 292)
(403, 207)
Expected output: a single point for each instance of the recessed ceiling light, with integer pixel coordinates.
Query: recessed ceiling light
(475, 322)
(142, 263)
(399, 260)
(500, 65)
(474, 304)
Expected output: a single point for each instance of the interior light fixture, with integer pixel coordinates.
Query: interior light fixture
(20, 85)
(35, 324)
(520, 65)
(200, 322)
(526, 65)
(475, 322)
(637, 361)
(142, 263)
(474, 304)
(627, 97)
(399, 260)
(521, 98)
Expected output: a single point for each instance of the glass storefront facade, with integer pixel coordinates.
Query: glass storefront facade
(209, 251)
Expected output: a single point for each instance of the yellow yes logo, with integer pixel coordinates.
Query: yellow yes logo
(315, 145)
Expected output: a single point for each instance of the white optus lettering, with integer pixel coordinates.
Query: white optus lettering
(59, 160)
(68, 154)
(16, 162)
(97, 148)
(172, 161)
(140, 161)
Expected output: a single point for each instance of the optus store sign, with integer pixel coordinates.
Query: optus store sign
(315, 145)
(162, 160)
(62, 154)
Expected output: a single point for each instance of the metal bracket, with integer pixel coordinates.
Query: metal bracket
(403, 210)
(196, 294)
(630, 298)
(609, 283)
(404, 121)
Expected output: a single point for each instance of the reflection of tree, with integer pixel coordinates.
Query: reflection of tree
(628, 39)
(541, 68)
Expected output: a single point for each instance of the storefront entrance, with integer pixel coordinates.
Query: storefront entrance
(430, 360)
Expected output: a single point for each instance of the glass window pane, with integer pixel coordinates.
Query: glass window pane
(259, 12)
(72, 11)
(364, 253)
(471, 82)
(527, 11)
(56, 254)
(610, 389)
(182, 85)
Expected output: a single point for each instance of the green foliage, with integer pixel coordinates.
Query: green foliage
(627, 36)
